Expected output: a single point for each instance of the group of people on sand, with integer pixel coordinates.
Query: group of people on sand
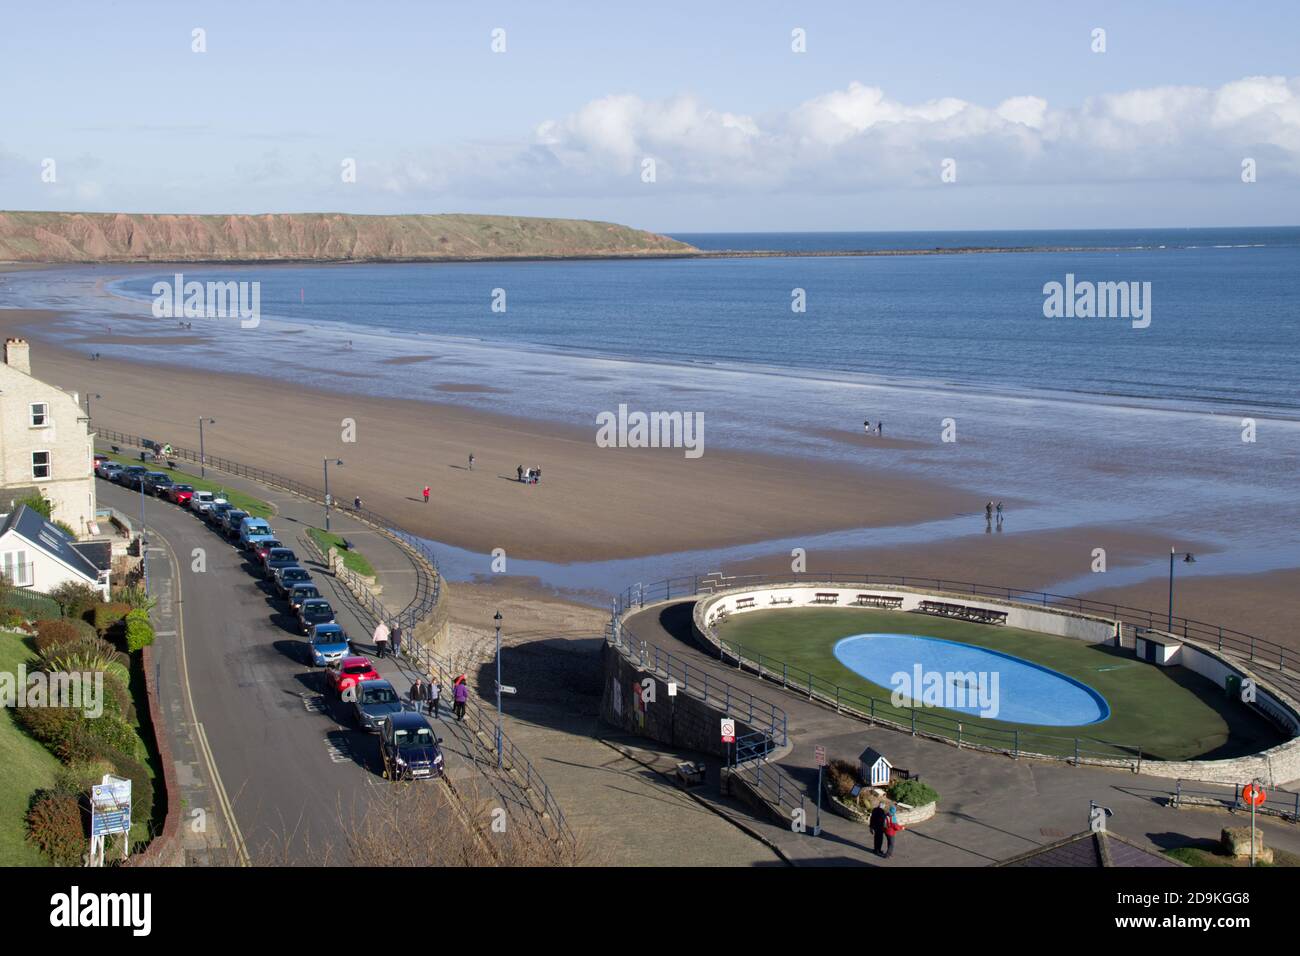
(880, 427)
(989, 509)
(529, 476)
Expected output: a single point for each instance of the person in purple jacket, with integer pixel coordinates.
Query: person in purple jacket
(460, 694)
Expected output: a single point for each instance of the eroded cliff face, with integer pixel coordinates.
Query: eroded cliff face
(134, 237)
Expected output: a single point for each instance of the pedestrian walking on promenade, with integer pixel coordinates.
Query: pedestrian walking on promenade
(381, 640)
(418, 691)
(356, 503)
(426, 494)
(460, 694)
(892, 829)
(395, 633)
(876, 823)
(471, 461)
(435, 695)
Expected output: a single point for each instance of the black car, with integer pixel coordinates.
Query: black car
(409, 748)
(289, 576)
(214, 514)
(376, 700)
(130, 476)
(314, 611)
(278, 558)
(157, 483)
(297, 593)
(230, 519)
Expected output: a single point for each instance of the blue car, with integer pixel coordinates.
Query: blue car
(327, 643)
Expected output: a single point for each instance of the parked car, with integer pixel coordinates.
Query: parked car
(252, 530)
(201, 501)
(230, 522)
(289, 575)
(214, 514)
(376, 700)
(157, 483)
(109, 470)
(130, 476)
(314, 611)
(102, 462)
(277, 558)
(409, 748)
(263, 548)
(326, 644)
(297, 593)
(179, 494)
(347, 671)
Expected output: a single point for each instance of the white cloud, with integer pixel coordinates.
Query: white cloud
(859, 138)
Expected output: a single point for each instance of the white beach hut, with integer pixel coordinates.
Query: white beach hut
(875, 767)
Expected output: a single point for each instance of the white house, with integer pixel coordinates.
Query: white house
(45, 443)
(35, 554)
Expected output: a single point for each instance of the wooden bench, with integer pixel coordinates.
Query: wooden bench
(879, 600)
(978, 615)
(826, 597)
(782, 600)
(742, 603)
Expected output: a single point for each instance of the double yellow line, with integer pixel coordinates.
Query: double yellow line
(200, 735)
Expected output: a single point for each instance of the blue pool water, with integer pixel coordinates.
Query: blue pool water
(933, 672)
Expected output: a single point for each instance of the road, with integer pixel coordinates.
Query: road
(266, 745)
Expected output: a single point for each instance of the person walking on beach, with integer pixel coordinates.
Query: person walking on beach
(866, 426)
(356, 503)
(426, 494)
(460, 694)
(471, 461)
(435, 693)
(519, 470)
(988, 511)
(876, 823)
(880, 429)
(381, 640)
(999, 512)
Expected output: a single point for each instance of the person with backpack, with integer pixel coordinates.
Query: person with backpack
(892, 829)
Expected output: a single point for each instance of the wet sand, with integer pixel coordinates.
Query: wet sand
(592, 504)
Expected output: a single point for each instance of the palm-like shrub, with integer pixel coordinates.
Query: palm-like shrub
(87, 654)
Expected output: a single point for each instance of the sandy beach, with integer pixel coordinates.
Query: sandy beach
(592, 504)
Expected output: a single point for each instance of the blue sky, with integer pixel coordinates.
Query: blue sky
(744, 133)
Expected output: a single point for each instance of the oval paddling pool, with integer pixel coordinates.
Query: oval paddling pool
(932, 672)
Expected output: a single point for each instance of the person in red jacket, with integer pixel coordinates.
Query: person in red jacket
(426, 494)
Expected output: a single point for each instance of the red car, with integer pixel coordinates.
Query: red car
(259, 552)
(348, 671)
(180, 495)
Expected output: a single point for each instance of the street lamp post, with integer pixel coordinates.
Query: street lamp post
(144, 545)
(203, 458)
(338, 462)
(497, 617)
(1188, 558)
(89, 396)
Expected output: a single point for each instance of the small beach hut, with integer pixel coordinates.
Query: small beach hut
(874, 767)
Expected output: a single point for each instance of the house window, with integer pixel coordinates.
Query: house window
(40, 414)
(17, 570)
(40, 464)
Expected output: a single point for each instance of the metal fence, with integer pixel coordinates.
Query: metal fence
(769, 782)
(1224, 639)
(698, 682)
(428, 585)
(1280, 803)
(32, 604)
(427, 593)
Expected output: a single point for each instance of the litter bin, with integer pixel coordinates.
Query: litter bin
(1232, 686)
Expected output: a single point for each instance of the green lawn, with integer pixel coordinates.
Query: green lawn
(28, 767)
(245, 502)
(1169, 713)
(1208, 854)
(352, 560)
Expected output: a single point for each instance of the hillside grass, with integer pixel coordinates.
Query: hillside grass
(27, 766)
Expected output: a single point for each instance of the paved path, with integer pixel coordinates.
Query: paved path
(992, 807)
(255, 739)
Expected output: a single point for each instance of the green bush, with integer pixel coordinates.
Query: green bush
(49, 725)
(79, 777)
(141, 786)
(913, 792)
(117, 699)
(11, 617)
(135, 596)
(87, 654)
(55, 826)
(107, 616)
(76, 598)
(89, 737)
(139, 632)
